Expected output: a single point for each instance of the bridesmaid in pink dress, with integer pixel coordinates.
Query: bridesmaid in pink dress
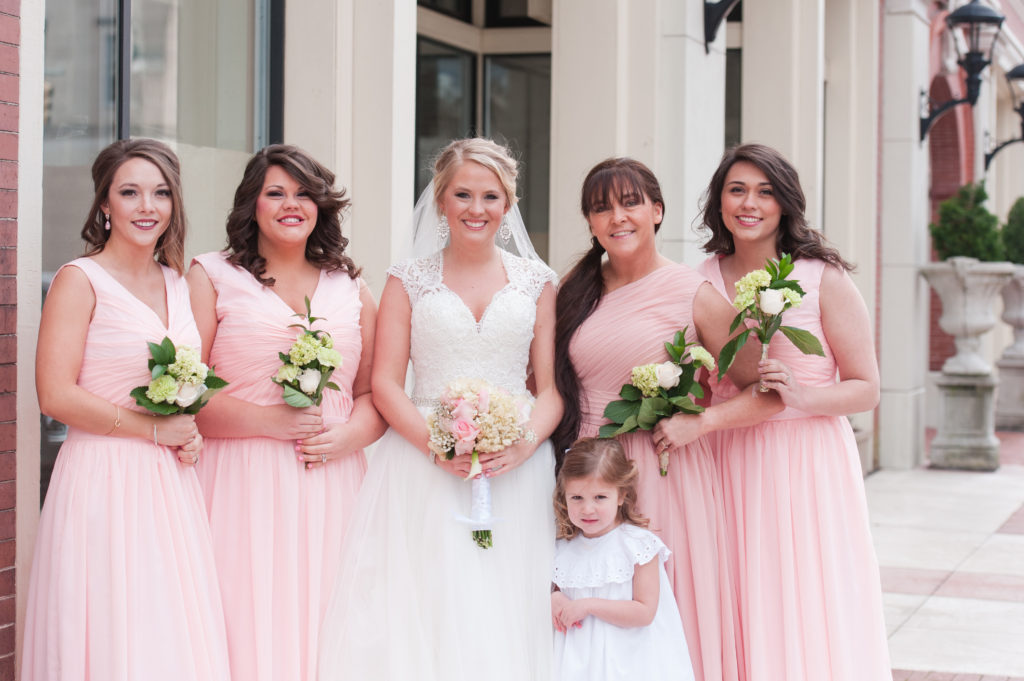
(280, 482)
(616, 313)
(805, 568)
(123, 584)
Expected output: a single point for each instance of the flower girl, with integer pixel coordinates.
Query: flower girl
(612, 607)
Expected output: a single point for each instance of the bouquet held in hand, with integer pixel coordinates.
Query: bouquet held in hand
(308, 365)
(474, 417)
(657, 391)
(762, 296)
(181, 383)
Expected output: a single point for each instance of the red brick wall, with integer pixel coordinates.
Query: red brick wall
(10, 33)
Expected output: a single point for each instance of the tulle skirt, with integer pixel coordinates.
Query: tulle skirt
(416, 598)
(123, 584)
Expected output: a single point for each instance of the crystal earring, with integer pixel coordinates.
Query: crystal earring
(106, 225)
(443, 231)
(505, 231)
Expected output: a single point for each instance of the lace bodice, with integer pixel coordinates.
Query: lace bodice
(448, 343)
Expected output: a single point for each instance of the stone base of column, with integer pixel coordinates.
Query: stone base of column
(1010, 401)
(966, 436)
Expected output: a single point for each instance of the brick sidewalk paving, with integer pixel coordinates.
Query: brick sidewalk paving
(951, 550)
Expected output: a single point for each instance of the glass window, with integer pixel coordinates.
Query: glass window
(460, 9)
(517, 111)
(445, 102)
(733, 101)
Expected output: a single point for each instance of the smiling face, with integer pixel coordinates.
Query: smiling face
(138, 203)
(593, 505)
(749, 209)
(624, 225)
(285, 213)
(474, 203)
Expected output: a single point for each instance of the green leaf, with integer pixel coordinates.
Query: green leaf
(772, 267)
(620, 410)
(628, 427)
(737, 320)
(284, 358)
(647, 416)
(729, 351)
(213, 382)
(805, 341)
(163, 353)
(162, 408)
(331, 385)
(296, 398)
(158, 371)
(674, 354)
(660, 405)
(630, 392)
(608, 430)
(788, 283)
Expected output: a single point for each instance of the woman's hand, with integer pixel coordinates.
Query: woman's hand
(778, 377)
(458, 465)
(174, 431)
(676, 431)
(282, 422)
(510, 458)
(188, 453)
(332, 443)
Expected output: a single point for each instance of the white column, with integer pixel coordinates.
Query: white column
(630, 78)
(904, 237)
(783, 86)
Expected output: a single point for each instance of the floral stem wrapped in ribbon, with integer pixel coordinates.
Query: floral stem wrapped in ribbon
(308, 365)
(475, 417)
(762, 296)
(181, 383)
(657, 391)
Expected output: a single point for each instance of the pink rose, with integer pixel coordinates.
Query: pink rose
(483, 399)
(465, 432)
(463, 411)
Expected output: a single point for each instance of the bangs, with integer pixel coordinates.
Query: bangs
(620, 183)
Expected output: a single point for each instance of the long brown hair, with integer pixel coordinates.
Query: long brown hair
(794, 236)
(170, 247)
(325, 246)
(581, 289)
(606, 459)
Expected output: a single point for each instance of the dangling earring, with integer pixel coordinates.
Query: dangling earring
(443, 231)
(106, 225)
(505, 231)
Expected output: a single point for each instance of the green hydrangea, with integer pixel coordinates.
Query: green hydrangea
(792, 297)
(701, 356)
(163, 389)
(187, 366)
(288, 373)
(645, 379)
(304, 350)
(328, 357)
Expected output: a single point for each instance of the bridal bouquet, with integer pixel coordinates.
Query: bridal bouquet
(475, 417)
(181, 383)
(762, 296)
(308, 365)
(657, 391)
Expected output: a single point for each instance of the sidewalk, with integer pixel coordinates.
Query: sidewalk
(951, 549)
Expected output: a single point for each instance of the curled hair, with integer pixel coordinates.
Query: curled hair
(581, 289)
(604, 458)
(170, 247)
(794, 235)
(488, 153)
(325, 246)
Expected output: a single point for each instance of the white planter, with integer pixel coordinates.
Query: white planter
(967, 288)
(1010, 401)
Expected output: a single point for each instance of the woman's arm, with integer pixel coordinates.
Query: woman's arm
(638, 612)
(847, 328)
(364, 425)
(63, 328)
(228, 416)
(547, 410)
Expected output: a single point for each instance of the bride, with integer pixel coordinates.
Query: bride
(415, 596)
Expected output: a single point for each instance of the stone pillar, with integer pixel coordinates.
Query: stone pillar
(630, 78)
(1010, 401)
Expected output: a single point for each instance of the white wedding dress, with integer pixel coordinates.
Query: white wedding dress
(416, 598)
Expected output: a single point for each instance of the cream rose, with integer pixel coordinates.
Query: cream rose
(188, 394)
(668, 374)
(771, 301)
(309, 380)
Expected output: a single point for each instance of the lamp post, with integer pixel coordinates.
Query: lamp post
(714, 14)
(1015, 79)
(980, 26)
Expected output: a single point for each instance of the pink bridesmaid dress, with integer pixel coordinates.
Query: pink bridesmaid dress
(277, 527)
(629, 327)
(123, 584)
(807, 579)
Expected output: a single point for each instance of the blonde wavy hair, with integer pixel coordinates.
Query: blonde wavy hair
(488, 153)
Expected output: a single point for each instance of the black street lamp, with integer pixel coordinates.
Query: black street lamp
(980, 26)
(1015, 79)
(714, 14)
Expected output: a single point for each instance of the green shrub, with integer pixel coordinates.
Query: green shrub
(966, 227)
(1013, 233)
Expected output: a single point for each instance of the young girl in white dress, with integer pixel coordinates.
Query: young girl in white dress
(612, 606)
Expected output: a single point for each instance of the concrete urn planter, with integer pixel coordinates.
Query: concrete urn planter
(1010, 403)
(966, 433)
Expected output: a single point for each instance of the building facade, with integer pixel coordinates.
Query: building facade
(373, 88)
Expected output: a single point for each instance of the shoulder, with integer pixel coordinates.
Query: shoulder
(528, 274)
(641, 544)
(418, 275)
(213, 261)
(710, 266)
(74, 275)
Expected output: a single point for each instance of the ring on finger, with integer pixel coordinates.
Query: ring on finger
(323, 458)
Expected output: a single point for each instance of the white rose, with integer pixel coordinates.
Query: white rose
(309, 380)
(188, 393)
(668, 374)
(772, 301)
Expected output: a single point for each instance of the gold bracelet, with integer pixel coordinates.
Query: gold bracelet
(117, 421)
